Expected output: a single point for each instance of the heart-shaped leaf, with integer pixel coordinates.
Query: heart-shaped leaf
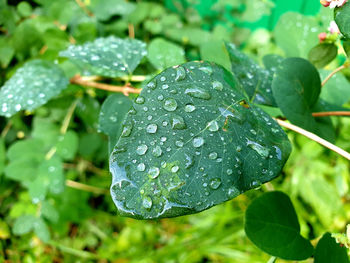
(329, 251)
(31, 86)
(256, 81)
(342, 18)
(191, 141)
(272, 224)
(110, 56)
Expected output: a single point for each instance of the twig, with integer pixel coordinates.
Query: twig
(126, 89)
(315, 138)
(68, 117)
(6, 129)
(82, 5)
(85, 187)
(133, 78)
(331, 113)
(333, 73)
(131, 30)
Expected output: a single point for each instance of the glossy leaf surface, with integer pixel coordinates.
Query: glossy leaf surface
(271, 223)
(108, 56)
(31, 86)
(192, 141)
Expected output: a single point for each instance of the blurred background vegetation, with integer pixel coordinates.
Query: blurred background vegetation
(80, 226)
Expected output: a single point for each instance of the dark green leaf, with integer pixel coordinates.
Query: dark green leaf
(108, 56)
(272, 224)
(322, 54)
(190, 142)
(329, 251)
(346, 46)
(163, 54)
(255, 80)
(31, 86)
(342, 18)
(112, 114)
(296, 88)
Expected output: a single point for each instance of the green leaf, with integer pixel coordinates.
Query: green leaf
(49, 211)
(322, 54)
(271, 223)
(163, 54)
(112, 114)
(296, 88)
(346, 46)
(110, 56)
(336, 90)
(255, 80)
(24, 9)
(191, 141)
(216, 51)
(105, 9)
(296, 34)
(41, 230)
(31, 86)
(342, 18)
(67, 145)
(329, 251)
(24, 224)
(2, 155)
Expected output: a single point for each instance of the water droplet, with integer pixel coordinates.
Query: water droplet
(165, 86)
(163, 139)
(217, 85)
(189, 161)
(141, 167)
(261, 150)
(179, 144)
(152, 128)
(140, 100)
(178, 123)
(18, 107)
(278, 152)
(180, 73)
(215, 183)
(255, 184)
(238, 148)
(233, 192)
(198, 93)
(153, 172)
(160, 97)
(141, 149)
(253, 131)
(162, 78)
(189, 108)
(198, 142)
(163, 164)
(229, 171)
(175, 169)
(126, 130)
(157, 151)
(151, 85)
(170, 104)
(213, 155)
(208, 70)
(147, 202)
(213, 126)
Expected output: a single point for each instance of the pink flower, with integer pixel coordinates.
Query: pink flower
(333, 3)
(322, 36)
(333, 28)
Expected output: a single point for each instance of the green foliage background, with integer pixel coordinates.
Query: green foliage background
(71, 225)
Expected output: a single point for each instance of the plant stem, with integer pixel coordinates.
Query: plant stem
(6, 129)
(315, 138)
(331, 113)
(126, 89)
(73, 251)
(82, 5)
(333, 73)
(133, 78)
(68, 117)
(85, 187)
(131, 29)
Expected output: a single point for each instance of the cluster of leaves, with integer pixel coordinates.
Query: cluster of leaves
(199, 134)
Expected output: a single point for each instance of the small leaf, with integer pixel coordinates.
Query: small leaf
(41, 230)
(67, 145)
(31, 86)
(342, 18)
(190, 142)
(336, 90)
(112, 114)
(322, 54)
(272, 225)
(163, 54)
(255, 80)
(329, 251)
(24, 224)
(216, 51)
(110, 56)
(49, 211)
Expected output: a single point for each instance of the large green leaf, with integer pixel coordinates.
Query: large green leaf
(31, 86)
(112, 114)
(163, 54)
(296, 88)
(192, 141)
(328, 251)
(342, 18)
(272, 224)
(256, 81)
(105, 9)
(108, 56)
(336, 90)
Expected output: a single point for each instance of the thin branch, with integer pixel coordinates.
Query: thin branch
(331, 113)
(131, 29)
(126, 89)
(6, 129)
(133, 78)
(85, 187)
(82, 5)
(68, 117)
(333, 73)
(315, 138)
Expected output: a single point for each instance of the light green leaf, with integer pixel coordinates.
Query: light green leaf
(41, 230)
(105, 9)
(67, 145)
(24, 224)
(216, 51)
(342, 18)
(31, 86)
(271, 223)
(49, 211)
(108, 56)
(163, 54)
(192, 141)
(336, 90)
